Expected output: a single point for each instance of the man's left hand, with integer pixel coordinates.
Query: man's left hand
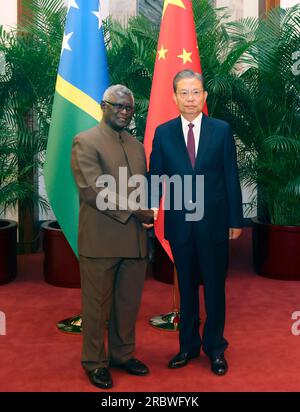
(234, 233)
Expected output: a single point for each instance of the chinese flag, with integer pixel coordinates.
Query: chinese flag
(177, 50)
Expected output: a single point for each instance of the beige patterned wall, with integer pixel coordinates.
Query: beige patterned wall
(8, 13)
(240, 8)
(123, 9)
(289, 3)
(120, 9)
(235, 6)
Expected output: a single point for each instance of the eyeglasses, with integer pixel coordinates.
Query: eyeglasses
(185, 93)
(119, 106)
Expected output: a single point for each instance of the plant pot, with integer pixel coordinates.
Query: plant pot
(276, 250)
(8, 247)
(61, 266)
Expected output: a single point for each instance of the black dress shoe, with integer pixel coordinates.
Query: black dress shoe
(132, 366)
(219, 365)
(101, 378)
(182, 359)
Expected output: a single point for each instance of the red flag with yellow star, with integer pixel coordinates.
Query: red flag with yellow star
(177, 50)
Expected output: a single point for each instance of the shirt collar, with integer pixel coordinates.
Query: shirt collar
(196, 122)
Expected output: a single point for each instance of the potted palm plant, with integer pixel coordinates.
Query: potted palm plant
(12, 191)
(31, 55)
(8, 228)
(264, 109)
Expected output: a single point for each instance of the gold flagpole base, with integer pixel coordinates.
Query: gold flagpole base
(71, 325)
(168, 322)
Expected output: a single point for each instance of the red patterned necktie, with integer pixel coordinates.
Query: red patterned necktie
(191, 144)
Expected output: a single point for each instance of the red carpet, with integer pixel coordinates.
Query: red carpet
(263, 355)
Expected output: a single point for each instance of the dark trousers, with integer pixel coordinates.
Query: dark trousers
(195, 260)
(111, 295)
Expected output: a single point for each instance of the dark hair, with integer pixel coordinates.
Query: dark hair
(187, 74)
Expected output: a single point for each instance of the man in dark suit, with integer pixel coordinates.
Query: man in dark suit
(112, 242)
(194, 145)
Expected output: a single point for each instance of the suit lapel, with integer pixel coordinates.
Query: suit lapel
(180, 143)
(205, 136)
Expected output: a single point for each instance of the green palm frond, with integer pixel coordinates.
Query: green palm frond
(131, 53)
(282, 144)
(32, 53)
(293, 188)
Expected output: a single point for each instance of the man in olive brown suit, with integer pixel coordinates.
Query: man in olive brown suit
(112, 243)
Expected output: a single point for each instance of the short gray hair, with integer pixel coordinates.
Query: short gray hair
(117, 89)
(187, 74)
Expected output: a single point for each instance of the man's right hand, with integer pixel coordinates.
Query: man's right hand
(150, 225)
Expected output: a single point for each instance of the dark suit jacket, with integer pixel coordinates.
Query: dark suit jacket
(109, 233)
(216, 160)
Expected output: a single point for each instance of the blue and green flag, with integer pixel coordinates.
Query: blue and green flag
(81, 80)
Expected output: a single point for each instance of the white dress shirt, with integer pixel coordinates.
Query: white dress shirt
(196, 129)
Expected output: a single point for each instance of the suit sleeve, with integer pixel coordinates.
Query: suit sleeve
(86, 170)
(156, 170)
(233, 188)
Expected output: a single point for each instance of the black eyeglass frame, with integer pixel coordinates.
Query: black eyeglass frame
(119, 106)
